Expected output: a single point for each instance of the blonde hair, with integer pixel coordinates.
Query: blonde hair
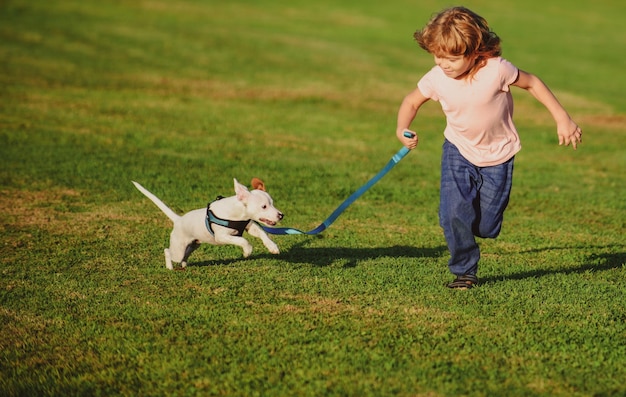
(460, 31)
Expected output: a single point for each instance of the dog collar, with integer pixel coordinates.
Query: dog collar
(211, 218)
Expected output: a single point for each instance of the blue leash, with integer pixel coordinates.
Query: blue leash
(394, 160)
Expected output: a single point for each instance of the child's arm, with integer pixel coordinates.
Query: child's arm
(408, 109)
(567, 130)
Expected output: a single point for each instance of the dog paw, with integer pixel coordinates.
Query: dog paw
(273, 248)
(247, 250)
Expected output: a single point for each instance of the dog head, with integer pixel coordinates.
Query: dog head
(258, 203)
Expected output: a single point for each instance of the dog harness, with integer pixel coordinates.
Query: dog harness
(211, 218)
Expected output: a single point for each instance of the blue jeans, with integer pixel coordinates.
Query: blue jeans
(472, 204)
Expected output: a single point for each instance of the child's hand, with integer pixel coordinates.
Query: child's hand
(569, 132)
(408, 138)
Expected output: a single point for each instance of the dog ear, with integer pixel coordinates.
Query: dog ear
(258, 184)
(241, 191)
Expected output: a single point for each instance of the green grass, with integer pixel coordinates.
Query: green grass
(184, 96)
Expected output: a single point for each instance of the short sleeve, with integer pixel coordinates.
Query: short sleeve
(427, 87)
(508, 74)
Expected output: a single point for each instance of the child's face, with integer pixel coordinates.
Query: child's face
(454, 66)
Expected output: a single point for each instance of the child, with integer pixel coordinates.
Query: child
(471, 81)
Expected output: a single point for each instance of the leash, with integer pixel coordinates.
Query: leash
(394, 160)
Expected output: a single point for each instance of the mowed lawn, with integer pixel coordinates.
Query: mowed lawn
(184, 96)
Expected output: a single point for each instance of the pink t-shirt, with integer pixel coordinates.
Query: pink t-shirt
(479, 112)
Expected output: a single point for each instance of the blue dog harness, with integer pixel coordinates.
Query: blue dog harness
(211, 218)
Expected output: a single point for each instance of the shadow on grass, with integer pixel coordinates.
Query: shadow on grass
(593, 263)
(326, 256)
(323, 256)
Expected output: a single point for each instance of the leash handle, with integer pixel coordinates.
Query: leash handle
(409, 134)
(404, 151)
(394, 160)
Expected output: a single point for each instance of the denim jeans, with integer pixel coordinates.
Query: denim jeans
(472, 204)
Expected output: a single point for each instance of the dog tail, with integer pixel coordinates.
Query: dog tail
(170, 214)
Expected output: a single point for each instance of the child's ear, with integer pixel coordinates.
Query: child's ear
(258, 184)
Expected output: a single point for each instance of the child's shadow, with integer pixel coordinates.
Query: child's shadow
(594, 262)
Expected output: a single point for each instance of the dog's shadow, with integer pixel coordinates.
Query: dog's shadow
(327, 256)
(350, 257)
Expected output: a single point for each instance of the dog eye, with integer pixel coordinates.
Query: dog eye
(264, 207)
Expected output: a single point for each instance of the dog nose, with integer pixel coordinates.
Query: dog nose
(280, 216)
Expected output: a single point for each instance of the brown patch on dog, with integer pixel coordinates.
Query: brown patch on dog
(258, 184)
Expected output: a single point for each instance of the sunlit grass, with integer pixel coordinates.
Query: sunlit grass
(185, 96)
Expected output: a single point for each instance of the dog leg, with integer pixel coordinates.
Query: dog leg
(168, 259)
(256, 231)
(188, 251)
(234, 240)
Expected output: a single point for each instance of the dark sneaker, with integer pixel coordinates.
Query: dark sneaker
(464, 282)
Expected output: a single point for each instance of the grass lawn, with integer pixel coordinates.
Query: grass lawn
(185, 96)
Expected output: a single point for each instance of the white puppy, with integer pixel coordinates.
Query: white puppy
(222, 222)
